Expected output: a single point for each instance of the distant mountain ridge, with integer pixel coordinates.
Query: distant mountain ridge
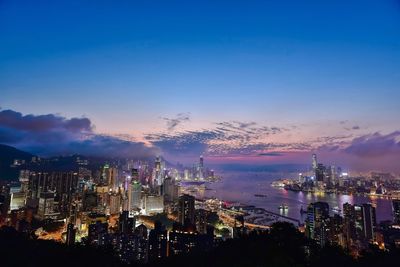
(7, 156)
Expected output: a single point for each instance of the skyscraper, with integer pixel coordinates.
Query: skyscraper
(368, 222)
(115, 203)
(170, 190)
(333, 175)
(201, 221)
(141, 244)
(71, 232)
(158, 173)
(201, 168)
(320, 173)
(359, 222)
(314, 162)
(186, 210)
(112, 177)
(182, 239)
(396, 211)
(46, 205)
(316, 222)
(153, 204)
(126, 224)
(348, 223)
(135, 175)
(158, 242)
(134, 195)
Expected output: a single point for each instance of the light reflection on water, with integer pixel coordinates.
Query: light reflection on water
(241, 187)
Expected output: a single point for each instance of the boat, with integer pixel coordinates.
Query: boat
(283, 207)
(292, 187)
(260, 195)
(336, 209)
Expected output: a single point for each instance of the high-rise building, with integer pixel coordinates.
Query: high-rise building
(141, 248)
(170, 191)
(201, 221)
(182, 239)
(186, 175)
(102, 198)
(98, 233)
(320, 173)
(89, 200)
(335, 232)
(158, 173)
(201, 168)
(333, 175)
(396, 211)
(359, 223)
(186, 210)
(71, 233)
(111, 175)
(135, 195)
(153, 204)
(46, 205)
(317, 221)
(115, 203)
(158, 242)
(349, 228)
(126, 223)
(63, 184)
(135, 175)
(314, 162)
(239, 229)
(369, 222)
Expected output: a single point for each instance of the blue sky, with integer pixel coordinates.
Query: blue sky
(130, 65)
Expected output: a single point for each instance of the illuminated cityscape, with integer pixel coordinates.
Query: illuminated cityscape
(200, 133)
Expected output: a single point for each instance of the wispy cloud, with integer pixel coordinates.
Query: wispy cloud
(173, 123)
(233, 137)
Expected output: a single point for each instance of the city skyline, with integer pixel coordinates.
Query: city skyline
(268, 83)
(200, 133)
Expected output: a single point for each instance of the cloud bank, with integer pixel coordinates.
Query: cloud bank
(50, 134)
(223, 143)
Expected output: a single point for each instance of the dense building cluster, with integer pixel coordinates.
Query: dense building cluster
(113, 206)
(140, 211)
(355, 229)
(332, 179)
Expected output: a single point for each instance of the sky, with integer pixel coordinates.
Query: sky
(244, 82)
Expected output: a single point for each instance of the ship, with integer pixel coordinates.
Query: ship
(336, 210)
(283, 207)
(292, 187)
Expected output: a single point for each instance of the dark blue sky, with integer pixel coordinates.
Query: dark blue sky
(132, 67)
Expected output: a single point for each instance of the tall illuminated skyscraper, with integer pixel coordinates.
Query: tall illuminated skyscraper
(201, 168)
(115, 203)
(158, 242)
(135, 175)
(316, 222)
(71, 233)
(369, 221)
(158, 173)
(396, 210)
(157, 164)
(186, 210)
(314, 162)
(134, 195)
